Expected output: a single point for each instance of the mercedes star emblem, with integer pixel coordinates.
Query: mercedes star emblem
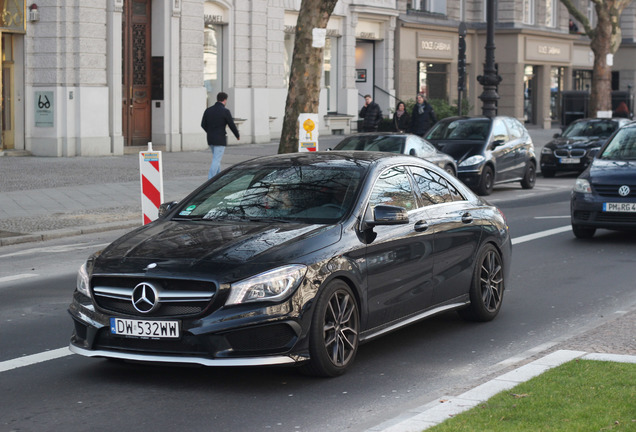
(145, 297)
(624, 190)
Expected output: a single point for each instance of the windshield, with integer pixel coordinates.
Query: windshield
(590, 129)
(464, 129)
(308, 194)
(622, 146)
(391, 144)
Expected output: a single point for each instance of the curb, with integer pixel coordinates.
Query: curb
(445, 407)
(68, 232)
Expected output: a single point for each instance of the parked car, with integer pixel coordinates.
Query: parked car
(487, 150)
(604, 195)
(403, 143)
(574, 149)
(294, 259)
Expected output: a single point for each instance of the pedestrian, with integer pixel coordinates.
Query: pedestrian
(401, 119)
(372, 115)
(622, 110)
(215, 118)
(423, 116)
(573, 27)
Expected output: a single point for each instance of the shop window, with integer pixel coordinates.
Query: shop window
(581, 79)
(212, 61)
(329, 79)
(433, 80)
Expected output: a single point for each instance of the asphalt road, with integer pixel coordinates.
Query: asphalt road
(558, 287)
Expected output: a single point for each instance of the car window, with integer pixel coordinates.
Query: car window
(499, 131)
(622, 146)
(591, 128)
(433, 188)
(422, 148)
(514, 127)
(391, 144)
(312, 194)
(393, 187)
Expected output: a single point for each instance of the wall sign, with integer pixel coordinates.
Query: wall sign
(361, 75)
(44, 109)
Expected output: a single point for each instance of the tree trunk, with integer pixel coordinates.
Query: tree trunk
(306, 69)
(601, 91)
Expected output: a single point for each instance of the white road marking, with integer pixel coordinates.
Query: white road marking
(63, 352)
(17, 277)
(535, 236)
(56, 249)
(34, 359)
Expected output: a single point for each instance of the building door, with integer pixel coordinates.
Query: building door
(7, 102)
(529, 95)
(136, 58)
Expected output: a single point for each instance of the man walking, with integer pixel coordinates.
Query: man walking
(215, 118)
(372, 115)
(423, 116)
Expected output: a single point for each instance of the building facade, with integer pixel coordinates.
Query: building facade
(105, 77)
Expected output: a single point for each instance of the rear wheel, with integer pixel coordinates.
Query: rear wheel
(530, 177)
(334, 333)
(486, 181)
(487, 288)
(583, 232)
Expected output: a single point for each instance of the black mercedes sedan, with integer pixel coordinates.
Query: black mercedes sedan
(604, 195)
(403, 143)
(487, 150)
(294, 260)
(574, 149)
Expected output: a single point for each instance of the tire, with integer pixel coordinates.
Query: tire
(486, 181)
(487, 287)
(334, 332)
(548, 173)
(530, 177)
(583, 232)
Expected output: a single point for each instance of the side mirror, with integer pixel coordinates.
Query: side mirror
(166, 207)
(387, 215)
(497, 143)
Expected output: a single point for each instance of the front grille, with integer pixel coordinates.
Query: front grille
(175, 297)
(611, 190)
(187, 345)
(565, 153)
(608, 217)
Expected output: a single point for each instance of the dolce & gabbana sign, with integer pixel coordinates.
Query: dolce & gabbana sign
(430, 46)
(548, 50)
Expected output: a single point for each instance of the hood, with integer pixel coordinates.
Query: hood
(188, 246)
(460, 149)
(612, 172)
(576, 142)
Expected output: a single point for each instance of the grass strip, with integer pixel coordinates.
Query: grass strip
(581, 395)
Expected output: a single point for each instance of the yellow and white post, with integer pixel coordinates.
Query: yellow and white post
(308, 132)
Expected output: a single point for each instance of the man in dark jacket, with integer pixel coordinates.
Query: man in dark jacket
(423, 116)
(215, 118)
(372, 115)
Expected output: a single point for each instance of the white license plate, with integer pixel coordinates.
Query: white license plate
(570, 160)
(619, 207)
(145, 328)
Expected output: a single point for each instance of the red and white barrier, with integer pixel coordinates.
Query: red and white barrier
(151, 173)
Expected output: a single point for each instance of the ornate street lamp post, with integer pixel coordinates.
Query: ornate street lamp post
(489, 80)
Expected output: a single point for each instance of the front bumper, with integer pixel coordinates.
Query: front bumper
(551, 163)
(587, 210)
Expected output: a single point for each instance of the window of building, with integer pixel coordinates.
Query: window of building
(212, 61)
(550, 13)
(581, 79)
(528, 11)
(433, 80)
(329, 79)
(431, 6)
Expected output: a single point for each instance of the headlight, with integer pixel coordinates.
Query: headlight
(82, 281)
(582, 186)
(546, 150)
(273, 285)
(473, 160)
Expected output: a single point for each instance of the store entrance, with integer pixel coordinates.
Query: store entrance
(8, 96)
(529, 95)
(136, 58)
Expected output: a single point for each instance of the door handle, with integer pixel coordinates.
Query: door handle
(467, 218)
(421, 226)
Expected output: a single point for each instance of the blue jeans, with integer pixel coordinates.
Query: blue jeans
(217, 155)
